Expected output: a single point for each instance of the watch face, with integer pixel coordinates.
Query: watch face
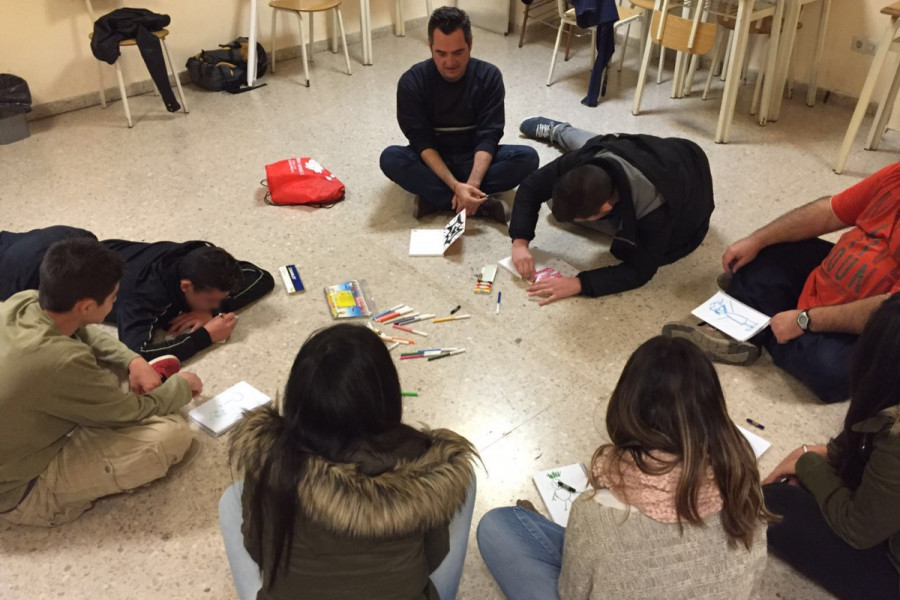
(803, 320)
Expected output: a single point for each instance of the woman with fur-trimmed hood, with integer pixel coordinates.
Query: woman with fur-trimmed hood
(340, 498)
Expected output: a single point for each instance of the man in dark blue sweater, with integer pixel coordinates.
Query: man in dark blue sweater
(450, 108)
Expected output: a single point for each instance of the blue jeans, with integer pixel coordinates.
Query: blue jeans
(404, 166)
(247, 576)
(772, 283)
(523, 551)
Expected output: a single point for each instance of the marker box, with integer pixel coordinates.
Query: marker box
(291, 278)
(486, 280)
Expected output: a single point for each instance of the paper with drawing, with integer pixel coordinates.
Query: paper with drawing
(222, 412)
(434, 242)
(555, 487)
(731, 317)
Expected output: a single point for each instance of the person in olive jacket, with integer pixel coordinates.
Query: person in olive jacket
(340, 499)
(841, 526)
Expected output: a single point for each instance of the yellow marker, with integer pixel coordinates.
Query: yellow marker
(456, 318)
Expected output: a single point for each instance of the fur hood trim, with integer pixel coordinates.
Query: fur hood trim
(414, 497)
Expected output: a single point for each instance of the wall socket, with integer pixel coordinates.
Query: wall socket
(862, 45)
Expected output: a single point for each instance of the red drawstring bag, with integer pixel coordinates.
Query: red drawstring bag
(302, 181)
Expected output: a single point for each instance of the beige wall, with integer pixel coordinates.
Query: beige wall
(45, 41)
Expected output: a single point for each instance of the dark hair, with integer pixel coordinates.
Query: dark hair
(343, 390)
(209, 267)
(448, 19)
(874, 386)
(668, 399)
(580, 193)
(75, 269)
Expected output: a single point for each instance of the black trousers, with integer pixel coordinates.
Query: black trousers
(772, 283)
(804, 540)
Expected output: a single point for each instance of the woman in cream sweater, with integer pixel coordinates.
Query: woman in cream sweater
(676, 510)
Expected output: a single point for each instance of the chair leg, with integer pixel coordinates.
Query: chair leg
(771, 66)
(272, 42)
(624, 47)
(883, 115)
(718, 48)
(559, 33)
(303, 48)
(174, 76)
(662, 63)
(723, 72)
(400, 29)
(428, 7)
(812, 82)
(642, 75)
(340, 20)
(568, 42)
(124, 95)
(524, 24)
(762, 74)
(334, 30)
(100, 81)
(691, 75)
(733, 74)
(312, 36)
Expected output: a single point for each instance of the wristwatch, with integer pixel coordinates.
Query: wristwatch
(803, 320)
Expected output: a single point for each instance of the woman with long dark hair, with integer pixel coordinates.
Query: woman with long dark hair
(340, 499)
(841, 525)
(676, 510)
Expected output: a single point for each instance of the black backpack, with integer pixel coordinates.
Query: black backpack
(225, 69)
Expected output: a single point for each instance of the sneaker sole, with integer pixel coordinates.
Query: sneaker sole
(720, 350)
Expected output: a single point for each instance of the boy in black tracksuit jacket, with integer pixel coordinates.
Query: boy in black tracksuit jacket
(674, 224)
(150, 294)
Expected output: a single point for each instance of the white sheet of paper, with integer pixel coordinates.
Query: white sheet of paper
(559, 500)
(758, 444)
(733, 318)
(542, 260)
(434, 242)
(222, 412)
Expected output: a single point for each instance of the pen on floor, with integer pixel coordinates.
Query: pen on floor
(446, 354)
(499, 295)
(410, 394)
(455, 318)
(755, 424)
(456, 310)
(409, 330)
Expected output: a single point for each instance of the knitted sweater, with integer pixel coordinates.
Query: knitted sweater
(611, 553)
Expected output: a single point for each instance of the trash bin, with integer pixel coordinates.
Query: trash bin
(15, 101)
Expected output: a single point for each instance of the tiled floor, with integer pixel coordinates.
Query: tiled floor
(532, 387)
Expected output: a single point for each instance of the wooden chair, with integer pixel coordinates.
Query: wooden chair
(400, 29)
(310, 7)
(161, 34)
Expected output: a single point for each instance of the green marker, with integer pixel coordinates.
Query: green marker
(412, 394)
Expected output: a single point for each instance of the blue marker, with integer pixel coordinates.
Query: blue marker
(499, 295)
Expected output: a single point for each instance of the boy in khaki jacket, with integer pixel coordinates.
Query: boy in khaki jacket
(69, 433)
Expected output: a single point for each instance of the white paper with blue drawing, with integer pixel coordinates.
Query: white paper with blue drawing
(222, 412)
(733, 318)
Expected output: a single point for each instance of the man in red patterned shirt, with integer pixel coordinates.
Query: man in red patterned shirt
(819, 294)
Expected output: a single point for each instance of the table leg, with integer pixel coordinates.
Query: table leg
(769, 88)
(884, 45)
(783, 64)
(813, 80)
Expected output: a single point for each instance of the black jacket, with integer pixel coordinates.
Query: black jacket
(137, 24)
(676, 167)
(21, 255)
(428, 106)
(150, 297)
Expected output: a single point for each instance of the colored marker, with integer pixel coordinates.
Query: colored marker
(455, 310)
(499, 295)
(408, 330)
(401, 340)
(410, 394)
(566, 487)
(399, 306)
(456, 318)
(755, 424)
(392, 346)
(397, 313)
(410, 320)
(446, 354)
(393, 320)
